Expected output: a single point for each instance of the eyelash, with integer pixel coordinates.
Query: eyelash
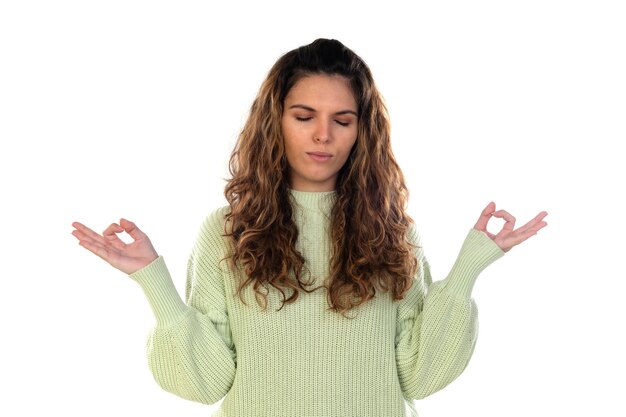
(304, 119)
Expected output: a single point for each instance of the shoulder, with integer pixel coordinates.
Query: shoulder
(423, 275)
(211, 237)
(415, 239)
(214, 221)
(206, 264)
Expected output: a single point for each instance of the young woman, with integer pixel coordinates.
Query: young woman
(309, 294)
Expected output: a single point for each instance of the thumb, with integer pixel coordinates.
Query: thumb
(132, 229)
(485, 215)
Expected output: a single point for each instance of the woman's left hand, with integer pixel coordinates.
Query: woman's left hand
(509, 237)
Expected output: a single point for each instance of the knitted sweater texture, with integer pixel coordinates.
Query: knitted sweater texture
(304, 360)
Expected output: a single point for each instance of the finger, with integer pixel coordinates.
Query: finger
(518, 236)
(85, 231)
(112, 229)
(98, 249)
(83, 238)
(485, 215)
(532, 223)
(531, 231)
(132, 229)
(509, 219)
(110, 235)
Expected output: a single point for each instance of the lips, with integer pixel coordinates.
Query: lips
(319, 156)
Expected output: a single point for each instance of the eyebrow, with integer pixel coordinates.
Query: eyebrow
(302, 106)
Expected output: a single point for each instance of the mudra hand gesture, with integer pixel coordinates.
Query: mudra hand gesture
(509, 237)
(127, 257)
(130, 257)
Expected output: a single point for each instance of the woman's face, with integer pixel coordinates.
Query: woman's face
(319, 123)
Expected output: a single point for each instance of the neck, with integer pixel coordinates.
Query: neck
(316, 200)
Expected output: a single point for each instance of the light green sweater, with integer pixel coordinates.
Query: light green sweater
(305, 361)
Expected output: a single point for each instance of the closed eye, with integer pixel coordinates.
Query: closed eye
(307, 118)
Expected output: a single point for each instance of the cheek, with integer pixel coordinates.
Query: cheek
(287, 136)
(291, 146)
(290, 132)
(348, 149)
(351, 142)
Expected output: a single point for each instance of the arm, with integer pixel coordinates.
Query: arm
(437, 322)
(190, 351)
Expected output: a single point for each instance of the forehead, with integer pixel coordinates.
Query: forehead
(324, 89)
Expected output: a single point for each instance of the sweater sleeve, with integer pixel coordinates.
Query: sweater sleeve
(437, 322)
(190, 351)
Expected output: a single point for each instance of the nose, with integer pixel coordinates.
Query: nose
(322, 132)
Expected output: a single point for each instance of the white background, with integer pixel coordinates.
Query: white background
(131, 108)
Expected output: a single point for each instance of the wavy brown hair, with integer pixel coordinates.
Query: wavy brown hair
(369, 224)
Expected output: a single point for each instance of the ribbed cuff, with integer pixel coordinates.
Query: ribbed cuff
(157, 284)
(478, 252)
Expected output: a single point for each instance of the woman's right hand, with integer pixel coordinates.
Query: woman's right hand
(127, 257)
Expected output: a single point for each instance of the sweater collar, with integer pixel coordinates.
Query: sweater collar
(322, 200)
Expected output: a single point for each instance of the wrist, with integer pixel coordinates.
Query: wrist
(478, 252)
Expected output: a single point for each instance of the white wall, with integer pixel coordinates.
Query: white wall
(131, 108)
